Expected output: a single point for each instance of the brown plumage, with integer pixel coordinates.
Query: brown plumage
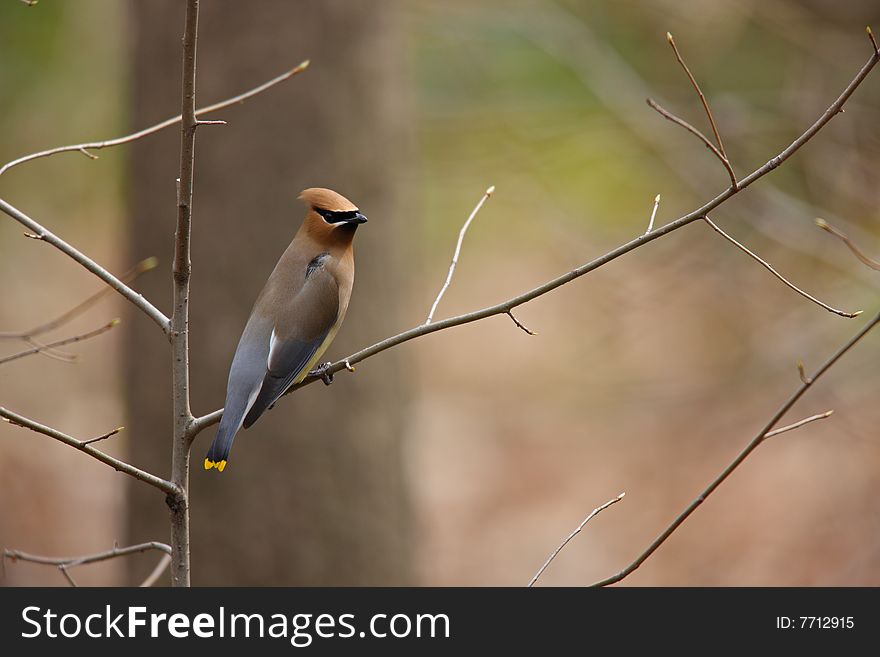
(295, 317)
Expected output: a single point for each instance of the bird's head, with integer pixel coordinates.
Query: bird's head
(330, 214)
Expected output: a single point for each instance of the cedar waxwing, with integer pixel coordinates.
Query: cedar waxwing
(294, 319)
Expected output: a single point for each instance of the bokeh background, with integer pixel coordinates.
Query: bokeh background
(462, 458)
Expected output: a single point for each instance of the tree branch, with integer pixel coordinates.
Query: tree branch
(519, 324)
(152, 578)
(857, 252)
(128, 277)
(653, 214)
(103, 436)
(782, 278)
(53, 354)
(166, 487)
(167, 123)
(60, 343)
(702, 99)
(666, 114)
(45, 235)
(199, 424)
(762, 435)
(454, 262)
(799, 424)
(64, 564)
(577, 531)
(180, 569)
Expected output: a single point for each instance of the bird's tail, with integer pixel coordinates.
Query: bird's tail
(218, 454)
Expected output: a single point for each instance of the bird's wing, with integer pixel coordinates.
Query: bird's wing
(301, 331)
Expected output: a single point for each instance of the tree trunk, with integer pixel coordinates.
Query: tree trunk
(314, 493)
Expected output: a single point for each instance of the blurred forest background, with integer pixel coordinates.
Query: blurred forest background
(461, 458)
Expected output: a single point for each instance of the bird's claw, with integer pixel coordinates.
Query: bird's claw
(322, 372)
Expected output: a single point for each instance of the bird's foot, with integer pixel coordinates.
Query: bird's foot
(322, 372)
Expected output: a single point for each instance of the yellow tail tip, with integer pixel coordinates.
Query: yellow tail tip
(220, 465)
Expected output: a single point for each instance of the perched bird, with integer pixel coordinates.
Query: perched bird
(294, 319)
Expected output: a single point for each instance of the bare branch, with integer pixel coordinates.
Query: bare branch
(199, 424)
(757, 440)
(802, 373)
(653, 214)
(702, 97)
(181, 441)
(103, 436)
(152, 578)
(461, 235)
(782, 278)
(134, 297)
(128, 277)
(577, 531)
(666, 114)
(60, 343)
(67, 575)
(54, 354)
(799, 424)
(873, 40)
(167, 123)
(520, 324)
(166, 487)
(857, 252)
(64, 564)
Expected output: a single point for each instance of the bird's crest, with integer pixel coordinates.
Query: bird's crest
(326, 199)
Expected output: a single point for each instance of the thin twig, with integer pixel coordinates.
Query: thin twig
(873, 40)
(60, 343)
(133, 296)
(666, 114)
(64, 564)
(454, 262)
(166, 487)
(577, 531)
(782, 278)
(103, 436)
(699, 93)
(96, 145)
(653, 214)
(209, 419)
(160, 568)
(143, 266)
(63, 356)
(757, 440)
(520, 324)
(857, 252)
(67, 575)
(799, 424)
(803, 373)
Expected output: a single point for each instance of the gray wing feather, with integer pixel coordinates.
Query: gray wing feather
(312, 315)
(245, 378)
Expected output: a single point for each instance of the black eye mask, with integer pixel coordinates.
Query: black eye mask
(337, 216)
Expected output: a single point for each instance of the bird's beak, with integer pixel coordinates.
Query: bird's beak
(357, 219)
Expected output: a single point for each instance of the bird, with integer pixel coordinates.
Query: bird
(295, 317)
